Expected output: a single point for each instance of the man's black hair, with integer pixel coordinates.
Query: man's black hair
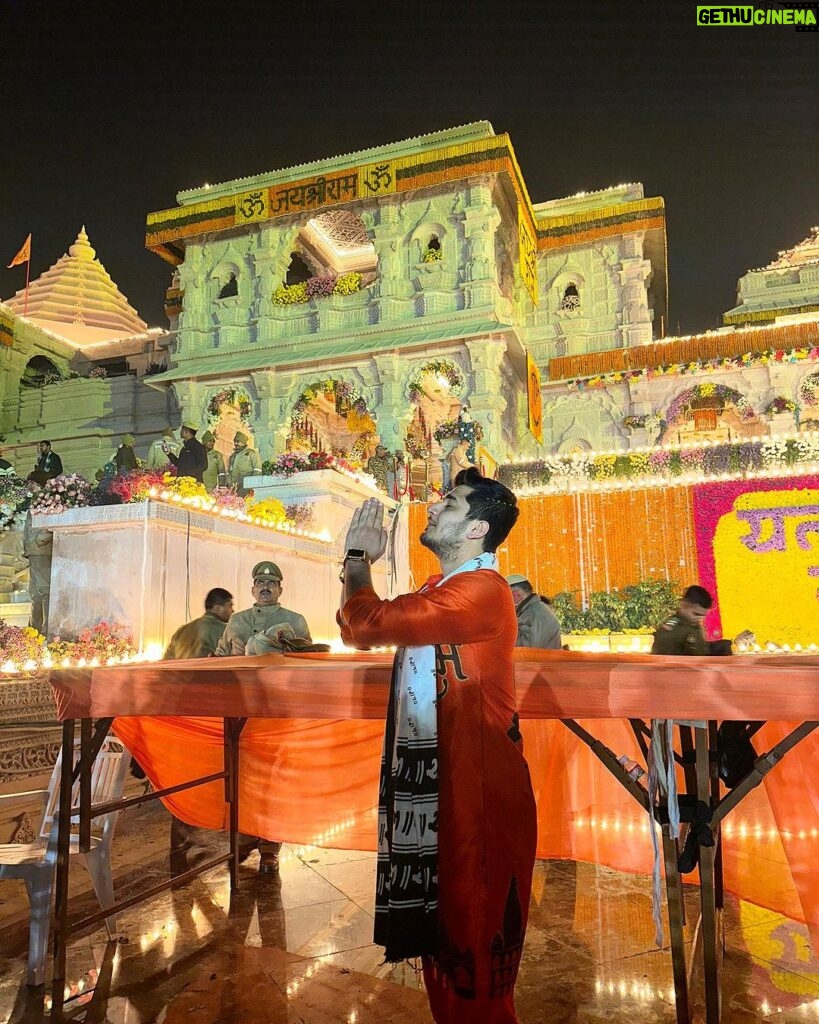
(698, 596)
(217, 596)
(492, 502)
(46, 442)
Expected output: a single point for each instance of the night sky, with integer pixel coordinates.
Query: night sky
(109, 109)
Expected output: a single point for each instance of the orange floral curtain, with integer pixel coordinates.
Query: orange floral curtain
(589, 542)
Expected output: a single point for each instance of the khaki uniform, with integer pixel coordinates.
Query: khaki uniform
(537, 625)
(214, 475)
(676, 636)
(243, 625)
(157, 459)
(196, 639)
(245, 462)
(37, 548)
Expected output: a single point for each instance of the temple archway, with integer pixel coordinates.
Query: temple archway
(332, 416)
(229, 410)
(434, 390)
(38, 372)
(710, 412)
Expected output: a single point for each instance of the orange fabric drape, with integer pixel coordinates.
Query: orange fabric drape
(317, 782)
(587, 542)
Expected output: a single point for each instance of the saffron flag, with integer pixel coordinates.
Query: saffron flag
(24, 255)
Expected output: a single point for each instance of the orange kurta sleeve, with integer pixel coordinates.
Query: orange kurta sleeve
(453, 613)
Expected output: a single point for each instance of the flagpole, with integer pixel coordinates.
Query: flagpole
(28, 271)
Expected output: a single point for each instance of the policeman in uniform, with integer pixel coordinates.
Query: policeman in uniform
(215, 475)
(244, 461)
(268, 617)
(198, 639)
(682, 632)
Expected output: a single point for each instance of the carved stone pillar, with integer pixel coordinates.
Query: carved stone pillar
(635, 276)
(394, 413)
(267, 422)
(195, 315)
(487, 403)
(280, 409)
(480, 220)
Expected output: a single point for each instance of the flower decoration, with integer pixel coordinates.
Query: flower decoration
(98, 373)
(226, 497)
(432, 255)
(301, 514)
(103, 641)
(268, 510)
(760, 567)
(14, 500)
(634, 422)
(766, 358)
(184, 486)
(743, 457)
(134, 486)
(21, 644)
(230, 396)
(290, 294)
(780, 404)
(416, 446)
(442, 368)
(318, 287)
(70, 490)
(681, 406)
(809, 390)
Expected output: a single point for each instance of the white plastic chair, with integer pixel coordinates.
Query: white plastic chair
(36, 863)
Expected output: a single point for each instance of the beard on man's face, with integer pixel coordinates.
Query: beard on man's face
(445, 543)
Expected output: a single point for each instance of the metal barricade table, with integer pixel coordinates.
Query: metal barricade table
(551, 685)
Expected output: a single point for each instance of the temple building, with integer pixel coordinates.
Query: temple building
(409, 294)
(754, 378)
(392, 293)
(789, 284)
(75, 355)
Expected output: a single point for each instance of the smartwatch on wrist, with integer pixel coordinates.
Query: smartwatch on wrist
(354, 555)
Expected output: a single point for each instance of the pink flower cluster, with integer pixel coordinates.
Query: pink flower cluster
(105, 640)
(70, 490)
(226, 497)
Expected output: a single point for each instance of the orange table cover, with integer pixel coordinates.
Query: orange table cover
(310, 750)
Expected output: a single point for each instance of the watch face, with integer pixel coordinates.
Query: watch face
(355, 553)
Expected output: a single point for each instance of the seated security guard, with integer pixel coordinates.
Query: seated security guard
(266, 615)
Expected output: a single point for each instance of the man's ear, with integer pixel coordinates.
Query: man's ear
(477, 528)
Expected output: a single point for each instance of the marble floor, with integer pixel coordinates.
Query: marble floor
(297, 948)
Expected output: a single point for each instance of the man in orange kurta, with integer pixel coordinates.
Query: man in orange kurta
(457, 818)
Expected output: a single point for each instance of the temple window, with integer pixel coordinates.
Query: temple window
(39, 371)
(571, 298)
(230, 288)
(339, 243)
(433, 252)
(298, 272)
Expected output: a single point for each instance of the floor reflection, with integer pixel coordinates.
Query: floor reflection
(297, 947)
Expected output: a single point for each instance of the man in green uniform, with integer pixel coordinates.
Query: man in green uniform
(125, 458)
(243, 462)
(265, 616)
(215, 475)
(682, 632)
(198, 639)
